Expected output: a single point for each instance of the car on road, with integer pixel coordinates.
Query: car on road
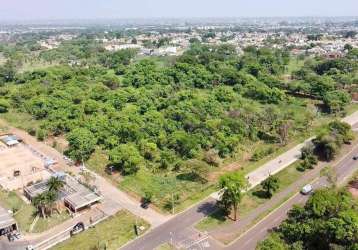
(78, 228)
(307, 189)
(355, 157)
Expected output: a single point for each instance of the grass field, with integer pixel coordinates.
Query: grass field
(110, 234)
(20, 120)
(163, 186)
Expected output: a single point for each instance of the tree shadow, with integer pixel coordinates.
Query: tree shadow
(191, 176)
(207, 208)
(260, 194)
(219, 215)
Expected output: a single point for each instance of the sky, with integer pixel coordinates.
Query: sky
(95, 9)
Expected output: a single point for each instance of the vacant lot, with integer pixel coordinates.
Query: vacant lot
(111, 234)
(21, 160)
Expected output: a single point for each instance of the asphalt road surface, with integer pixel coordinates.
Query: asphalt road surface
(181, 225)
(344, 169)
(174, 229)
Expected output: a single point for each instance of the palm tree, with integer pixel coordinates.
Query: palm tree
(43, 201)
(54, 184)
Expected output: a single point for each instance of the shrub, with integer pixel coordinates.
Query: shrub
(261, 153)
(4, 106)
(40, 134)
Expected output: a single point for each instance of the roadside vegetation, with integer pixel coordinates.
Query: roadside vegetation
(251, 200)
(329, 220)
(166, 128)
(234, 199)
(110, 234)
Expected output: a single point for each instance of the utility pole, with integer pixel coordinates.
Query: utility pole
(172, 203)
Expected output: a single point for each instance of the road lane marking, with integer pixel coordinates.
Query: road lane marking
(269, 214)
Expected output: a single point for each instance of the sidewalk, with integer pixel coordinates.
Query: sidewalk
(282, 161)
(232, 231)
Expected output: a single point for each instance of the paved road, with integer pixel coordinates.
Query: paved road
(179, 224)
(248, 241)
(174, 229)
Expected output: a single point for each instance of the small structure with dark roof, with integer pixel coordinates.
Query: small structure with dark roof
(7, 222)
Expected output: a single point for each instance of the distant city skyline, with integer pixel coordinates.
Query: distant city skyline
(93, 9)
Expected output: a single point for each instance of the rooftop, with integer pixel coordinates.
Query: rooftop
(6, 219)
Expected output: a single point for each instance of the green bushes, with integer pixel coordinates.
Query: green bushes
(329, 220)
(4, 106)
(308, 157)
(329, 141)
(203, 106)
(40, 134)
(261, 153)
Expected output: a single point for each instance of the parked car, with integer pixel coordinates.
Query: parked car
(30, 247)
(145, 204)
(10, 237)
(307, 189)
(78, 228)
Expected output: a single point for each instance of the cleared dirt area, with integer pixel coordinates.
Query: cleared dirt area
(353, 188)
(19, 166)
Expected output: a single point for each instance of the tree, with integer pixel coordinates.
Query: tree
(54, 184)
(309, 159)
(273, 242)
(233, 185)
(127, 158)
(283, 131)
(7, 72)
(336, 100)
(82, 143)
(270, 185)
(329, 141)
(329, 218)
(326, 146)
(43, 201)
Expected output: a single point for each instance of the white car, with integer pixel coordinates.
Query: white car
(307, 189)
